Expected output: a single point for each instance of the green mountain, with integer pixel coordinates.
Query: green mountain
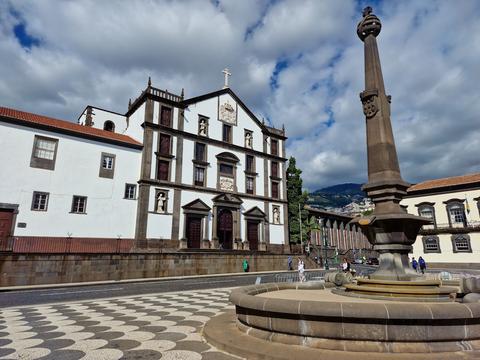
(336, 196)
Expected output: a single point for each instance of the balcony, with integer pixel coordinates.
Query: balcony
(457, 228)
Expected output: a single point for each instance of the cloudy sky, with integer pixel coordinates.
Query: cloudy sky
(297, 63)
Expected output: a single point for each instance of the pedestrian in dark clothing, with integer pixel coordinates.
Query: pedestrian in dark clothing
(422, 264)
(290, 263)
(415, 264)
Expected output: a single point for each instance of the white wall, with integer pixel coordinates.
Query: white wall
(99, 117)
(76, 173)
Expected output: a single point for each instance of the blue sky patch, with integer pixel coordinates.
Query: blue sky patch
(24, 39)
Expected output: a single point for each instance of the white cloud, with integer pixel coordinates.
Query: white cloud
(101, 53)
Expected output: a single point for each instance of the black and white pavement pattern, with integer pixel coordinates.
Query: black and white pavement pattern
(163, 326)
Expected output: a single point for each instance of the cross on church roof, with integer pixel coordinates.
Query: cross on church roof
(227, 73)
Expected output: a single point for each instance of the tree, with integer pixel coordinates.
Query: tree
(296, 201)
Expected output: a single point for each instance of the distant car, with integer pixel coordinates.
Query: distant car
(372, 261)
(358, 261)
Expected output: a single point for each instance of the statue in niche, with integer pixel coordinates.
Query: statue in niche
(276, 216)
(161, 202)
(248, 140)
(202, 128)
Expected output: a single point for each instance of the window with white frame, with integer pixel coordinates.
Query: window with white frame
(427, 210)
(456, 214)
(130, 191)
(199, 176)
(44, 153)
(40, 201)
(107, 162)
(107, 165)
(79, 204)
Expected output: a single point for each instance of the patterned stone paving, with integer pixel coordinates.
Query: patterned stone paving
(162, 326)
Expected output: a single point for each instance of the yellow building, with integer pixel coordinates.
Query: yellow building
(453, 205)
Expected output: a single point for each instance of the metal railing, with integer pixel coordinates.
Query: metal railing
(318, 275)
(431, 229)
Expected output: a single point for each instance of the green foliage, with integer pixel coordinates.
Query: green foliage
(368, 212)
(296, 203)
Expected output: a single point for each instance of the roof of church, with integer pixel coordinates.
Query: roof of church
(449, 182)
(70, 128)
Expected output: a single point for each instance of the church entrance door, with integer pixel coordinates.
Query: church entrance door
(225, 229)
(252, 234)
(6, 219)
(194, 231)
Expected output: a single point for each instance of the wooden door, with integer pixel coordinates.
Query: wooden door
(252, 234)
(194, 232)
(225, 228)
(6, 219)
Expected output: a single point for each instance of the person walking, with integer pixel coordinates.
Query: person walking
(301, 270)
(245, 265)
(422, 264)
(414, 264)
(290, 263)
(346, 265)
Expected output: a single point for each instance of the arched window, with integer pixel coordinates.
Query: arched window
(109, 126)
(431, 244)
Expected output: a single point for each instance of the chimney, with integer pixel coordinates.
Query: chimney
(88, 117)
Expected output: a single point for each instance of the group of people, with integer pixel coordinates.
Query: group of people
(419, 265)
(300, 268)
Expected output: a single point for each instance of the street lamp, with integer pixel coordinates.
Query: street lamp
(325, 246)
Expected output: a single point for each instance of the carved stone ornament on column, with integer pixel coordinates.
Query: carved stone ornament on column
(226, 183)
(369, 102)
(228, 113)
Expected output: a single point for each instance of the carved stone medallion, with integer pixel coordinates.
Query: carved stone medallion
(369, 102)
(227, 113)
(226, 183)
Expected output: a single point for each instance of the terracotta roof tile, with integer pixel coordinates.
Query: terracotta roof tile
(445, 182)
(35, 119)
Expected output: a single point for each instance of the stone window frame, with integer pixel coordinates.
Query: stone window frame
(206, 118)
(251, 173)
(169, 172)
(277, 152)
(254, 190)
(230, 138)
(40, 162)
(245, 132)
(425, 239)
(457, 237)
(429, 205)
(40, 193)
(170, 125)
(103, 171)
(159, 152)
(200, 163)
(155, 204)
(229, 159)
(134, 191)
(278, 189)
(455, 202)
(73, 209)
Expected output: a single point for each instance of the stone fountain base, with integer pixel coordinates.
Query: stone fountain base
(274, 321)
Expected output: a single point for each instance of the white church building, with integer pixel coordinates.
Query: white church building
(200, 173)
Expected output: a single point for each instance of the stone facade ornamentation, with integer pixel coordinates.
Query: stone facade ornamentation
(248, 140)
(276, 215)
(226, 183)
(228, 113)
(161, 202)
(369, 102)
(202, 127)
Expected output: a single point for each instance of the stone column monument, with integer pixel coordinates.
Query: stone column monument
(389, 229)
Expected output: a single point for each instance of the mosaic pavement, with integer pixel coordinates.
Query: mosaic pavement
(162, 326)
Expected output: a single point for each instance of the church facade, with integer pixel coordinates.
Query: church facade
(199, 173)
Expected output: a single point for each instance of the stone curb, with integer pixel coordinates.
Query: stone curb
(126, 281)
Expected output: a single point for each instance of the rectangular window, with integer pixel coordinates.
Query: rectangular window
(227, 133)
(130, 191)
(249, 185)
(165, 144)
(166, 116)
(250, 166)
(274, 147)
(40, 201)
(274, 169)
(79, 204)
(107, 165)
(107, 162)
(200, 154)
(163, 167)
(457, 215)
(199, 176)
(44, 153)
(226, 169)
(461, 243)
(274, 189)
